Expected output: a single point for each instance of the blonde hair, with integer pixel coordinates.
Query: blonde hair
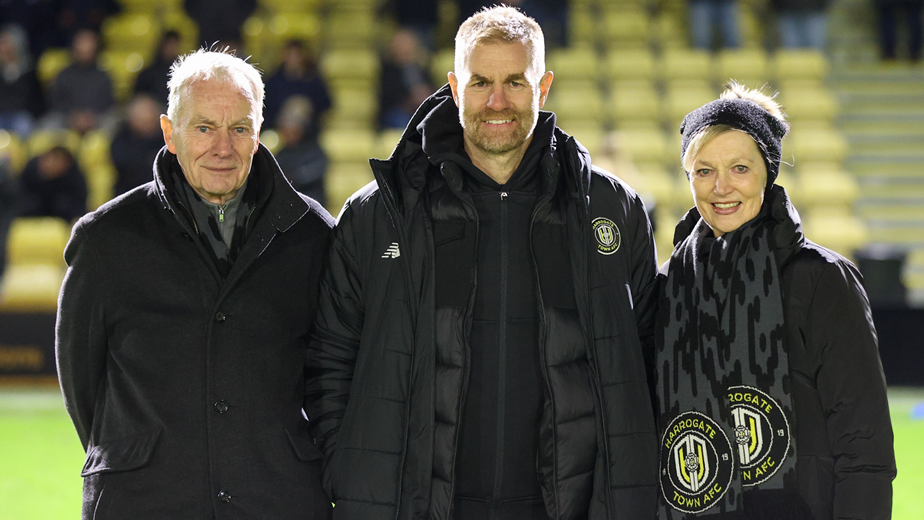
(733, 90)
(204, 65)
(505, 24)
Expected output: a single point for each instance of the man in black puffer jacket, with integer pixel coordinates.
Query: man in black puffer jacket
(486, 316)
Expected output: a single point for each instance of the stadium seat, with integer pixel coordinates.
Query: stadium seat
(809, 106)
(31, 288)
(131, 32)
(100, 184)
(12, 151)
(348, 145)
(683, 66)
(576, 103)
(342, 180)
(837, 230)
(582, 27)
(123, 67)
(632, 106)
(37, 241)
(825, 185)
(816, 144)
(746, 66)
(350, 64)
(350, 29)
(50, 63)
(386, 142)
(440, 64)
(644, 146)
(293, 6)
(94, 149)
(625, 26)
(574, 64)
(353, 108)
(800, 65)
(270, 139)
(43, 140)
(630, 65)
(681, 100)
(179, 21)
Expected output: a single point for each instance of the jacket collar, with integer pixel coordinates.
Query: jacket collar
(434, 137)
(277, 201)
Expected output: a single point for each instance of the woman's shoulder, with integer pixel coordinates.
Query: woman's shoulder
(817, 269)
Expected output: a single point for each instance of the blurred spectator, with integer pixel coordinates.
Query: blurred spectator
(889, 12)
(53, 23)
(137, 142)
(220, 21)
(74, 15)
(21, 100)
(9, 194)
(421, 16)
(301, 158)
(405, 80)
(552, 16)
(153, 79)
(297, 76)
(81, 95)
(802, 23)
(709, 18)
(53, 186)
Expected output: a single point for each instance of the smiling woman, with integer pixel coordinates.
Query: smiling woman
(750, 307)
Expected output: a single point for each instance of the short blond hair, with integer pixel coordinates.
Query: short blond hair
(734, 90)
(505, 24)
(221, 65)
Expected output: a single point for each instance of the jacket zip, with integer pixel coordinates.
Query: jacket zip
(502, 359)
(543, 355)
(392, 209)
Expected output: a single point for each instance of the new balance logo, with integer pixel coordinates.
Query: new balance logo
(392, 251)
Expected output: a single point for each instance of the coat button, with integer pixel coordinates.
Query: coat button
(224, 496)
(221, 406)
(219, 317)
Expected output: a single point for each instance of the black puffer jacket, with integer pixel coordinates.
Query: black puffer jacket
(389, 371)
(843, 433)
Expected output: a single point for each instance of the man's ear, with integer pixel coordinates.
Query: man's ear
(167, 127)
(453, 86)
(545, 83)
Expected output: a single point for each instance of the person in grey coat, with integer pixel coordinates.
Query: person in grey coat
(183, 320)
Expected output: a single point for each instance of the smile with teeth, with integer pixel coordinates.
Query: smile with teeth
(726, 205)
(498, 121)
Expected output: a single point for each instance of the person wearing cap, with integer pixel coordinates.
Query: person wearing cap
(770, 392)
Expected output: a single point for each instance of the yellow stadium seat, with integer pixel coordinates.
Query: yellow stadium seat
(746, 66)
(342, 180)
(100, 184)
(270, 139)
(809, 105)
(179, 21)
(836, 229)
(817, 144)
(582, 27)
(294, 6)
(123, 67)
(823, 184)
(679, 66)
(626, 27)
(644, 146)
(37, 240)
(630, 65)
(350, 64)
(800, 65)
(574, 64)
(634, 105)
(132, 32)
(440, 64)
(591, 135)
(353, 108)
(386, 142)
(94, 150)
(679, 101)
(576, 104)
(348, 145)
(31, 288)
(43, 140)
(151, 6)
(350, 29)
(12, 151)
(50, 63)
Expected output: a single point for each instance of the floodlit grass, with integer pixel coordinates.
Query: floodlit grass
(41, 456)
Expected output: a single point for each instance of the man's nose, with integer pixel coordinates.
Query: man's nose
(222, 146)
(498, 99)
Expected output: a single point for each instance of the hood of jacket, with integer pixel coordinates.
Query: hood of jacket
(434, 137)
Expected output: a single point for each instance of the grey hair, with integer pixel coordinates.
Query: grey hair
(501, 24)
(203, 65)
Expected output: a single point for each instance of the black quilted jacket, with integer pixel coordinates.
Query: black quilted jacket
(388, 371)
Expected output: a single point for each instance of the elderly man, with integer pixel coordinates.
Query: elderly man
(184, 317)
(487, 312)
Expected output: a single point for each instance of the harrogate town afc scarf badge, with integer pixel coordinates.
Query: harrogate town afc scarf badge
(696, 463)
(607, 235)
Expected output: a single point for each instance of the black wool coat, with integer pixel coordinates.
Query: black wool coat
(187, 390)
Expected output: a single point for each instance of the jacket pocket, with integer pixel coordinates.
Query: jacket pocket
(305, 448)
(120, 455)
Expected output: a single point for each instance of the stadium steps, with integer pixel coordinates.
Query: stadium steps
(882, 116)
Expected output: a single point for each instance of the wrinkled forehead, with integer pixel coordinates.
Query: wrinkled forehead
(200, 91)
(519, 57)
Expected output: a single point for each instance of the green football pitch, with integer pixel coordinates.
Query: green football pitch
(40, 456)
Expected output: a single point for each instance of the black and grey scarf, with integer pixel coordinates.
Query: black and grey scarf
(722, 366)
